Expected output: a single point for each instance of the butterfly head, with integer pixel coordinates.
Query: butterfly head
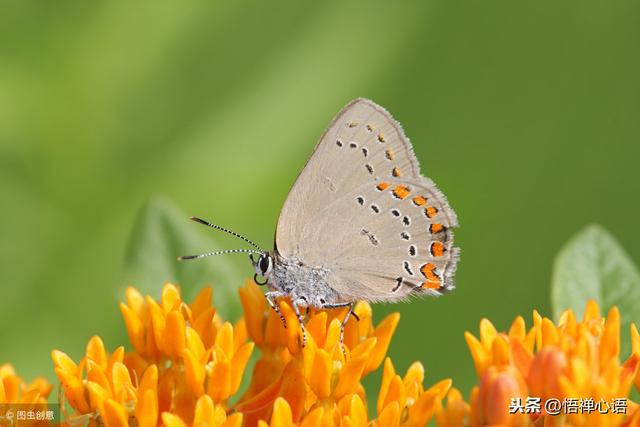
(263, 266)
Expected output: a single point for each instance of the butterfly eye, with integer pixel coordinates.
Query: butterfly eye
(265, 263)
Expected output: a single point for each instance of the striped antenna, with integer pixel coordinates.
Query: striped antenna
(233, 233)
(227, 251)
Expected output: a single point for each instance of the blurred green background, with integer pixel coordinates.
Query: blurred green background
(526, 114)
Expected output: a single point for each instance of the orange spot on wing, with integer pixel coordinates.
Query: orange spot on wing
(395, 172)
(437, 249)
(431, 211)
(401, 191)
(428, 270)
(382, 186)
(419, 201)
(436, 228)
(431, 284)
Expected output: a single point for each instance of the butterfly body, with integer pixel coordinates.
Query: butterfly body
(302, 282)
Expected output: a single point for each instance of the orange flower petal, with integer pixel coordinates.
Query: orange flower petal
(537, 324)
(518, 330)
(521, 357)
(481, 357)
(364, 348)
(121, 381)
(96, 374)
(171, 420)
(441, 388)
(635, 339)
(238, 363)
(40, 384)
(313, 418)
(415, 373)
(568, 322)
(488, 333)
(546, 367)
(114, 414)
(395, 393)
(146, 411)
(194, 343)
(194, 373)
(390, 415)
(134, 326)
(333, 336)
(201, 302)
(421, 412)
(497, 388)
(220, 381)
(97, 395)
(350, 375)
(204, 414)
(630, 369)
(357, 412)
(500, 351)
(253, 304)
(610, 340)
(116, 356)
(96, 352)
(293, 389)
(262, 399)
(73, 389)
(317, 328)
(174, 334)
(281, 414)
(321, 372)
(591, 312)
(64, 363)
(383, 333)
(388, 373)
(239, 333)
(205, 327)
(170, 298)
(224, 339)
(549, 333)
(158, 323)
(456, 411)
(135, 301)
(234, 420)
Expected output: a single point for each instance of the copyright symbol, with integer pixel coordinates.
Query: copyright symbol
(553, 406)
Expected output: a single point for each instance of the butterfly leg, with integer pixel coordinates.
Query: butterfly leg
(301, 302)
(351, 305)
(272, 299)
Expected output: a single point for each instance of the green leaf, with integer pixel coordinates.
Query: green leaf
(160, 234)
(593, 265)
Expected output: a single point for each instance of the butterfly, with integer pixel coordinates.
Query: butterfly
(360, 223)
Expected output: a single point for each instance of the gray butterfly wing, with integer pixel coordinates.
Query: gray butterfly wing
(386, 240)
(362, 142)
(361, 210)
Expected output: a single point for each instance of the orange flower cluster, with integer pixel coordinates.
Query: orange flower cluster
(13, 391)
(573, 360)
(187, 365)
(317, 385)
